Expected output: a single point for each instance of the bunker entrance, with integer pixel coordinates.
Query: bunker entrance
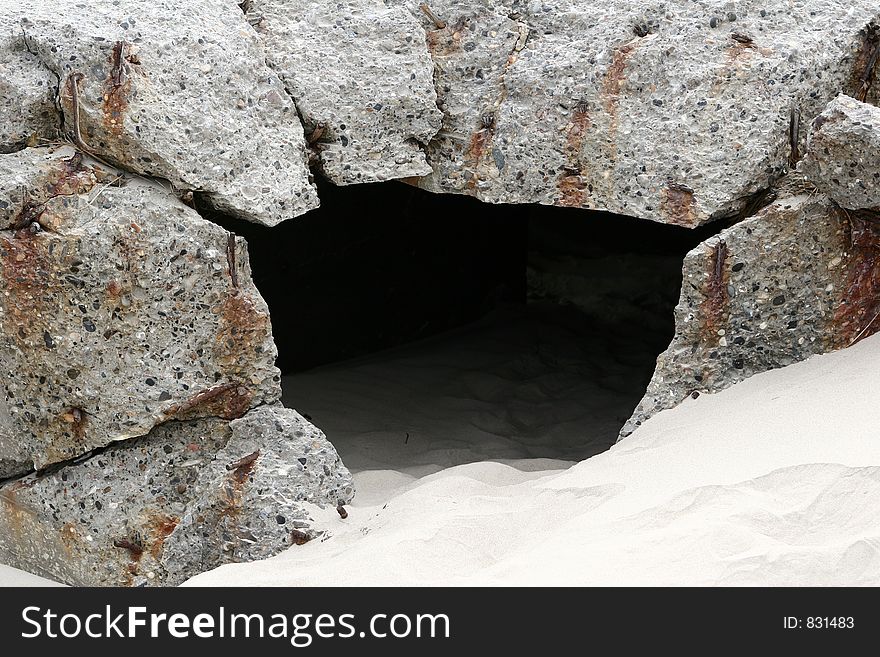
(421, 331)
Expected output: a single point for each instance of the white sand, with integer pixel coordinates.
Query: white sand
(547, 385)
(775, 481)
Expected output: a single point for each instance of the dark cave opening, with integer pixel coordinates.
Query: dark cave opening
(378, 265)
(385, 279)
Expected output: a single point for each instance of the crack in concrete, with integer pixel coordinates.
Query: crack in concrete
(314, 159)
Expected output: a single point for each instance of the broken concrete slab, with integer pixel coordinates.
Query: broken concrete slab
(558, 104)
(28, 115)
(287, 464)
(798, 278)
(120, 309)
(188, 497)
(362, 79)
(843, 153)
(676, 112)
(160, 91)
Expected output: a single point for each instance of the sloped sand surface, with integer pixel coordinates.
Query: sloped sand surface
(775, 481)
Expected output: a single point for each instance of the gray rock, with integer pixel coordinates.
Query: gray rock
(174, 90)
(843, 153)
(296, 466)
(120, 309)
(362, 79)
(27, 100)
(667, 110)
(799, 278)
(188, 497)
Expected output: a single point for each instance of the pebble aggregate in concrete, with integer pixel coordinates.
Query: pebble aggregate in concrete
(799, 278)
(669, 111)
(170, 89)
(363, 82)
(188, 497)
(120, 308)
(842, 153)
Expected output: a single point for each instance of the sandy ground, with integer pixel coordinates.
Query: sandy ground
(544, 385)
(775, 481)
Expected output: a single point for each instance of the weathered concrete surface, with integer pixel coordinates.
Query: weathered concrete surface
(797, 279)
(27, 100)
(187, 498)
(120, 308)
(673, 111)
(176, 90)
(843, 153)
(362, 79)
